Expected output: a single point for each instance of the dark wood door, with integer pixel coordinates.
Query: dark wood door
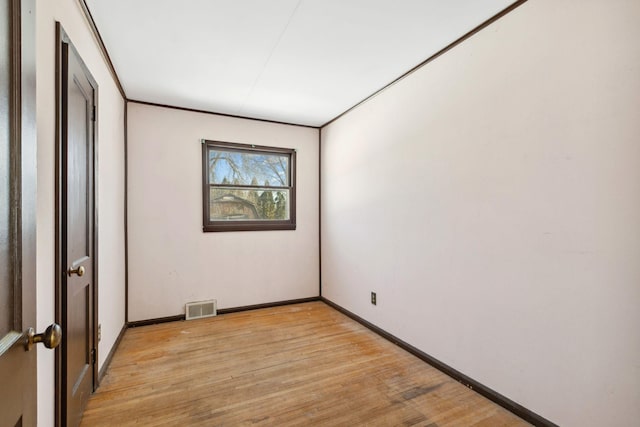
(77, 233)
(17, 214)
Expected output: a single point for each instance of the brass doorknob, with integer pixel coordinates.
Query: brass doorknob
(79, 271)
(50, 338)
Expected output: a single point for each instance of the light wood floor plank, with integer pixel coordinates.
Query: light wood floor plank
(304, 364)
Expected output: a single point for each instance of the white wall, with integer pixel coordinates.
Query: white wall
(492, 200)
(171, 261)
(110, 187)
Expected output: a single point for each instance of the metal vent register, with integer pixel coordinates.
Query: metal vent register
(200, 309)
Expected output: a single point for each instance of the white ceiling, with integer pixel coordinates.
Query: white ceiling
(294, 61)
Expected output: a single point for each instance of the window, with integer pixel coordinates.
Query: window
(247, 187)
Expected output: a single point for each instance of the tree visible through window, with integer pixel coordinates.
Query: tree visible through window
(246, 187)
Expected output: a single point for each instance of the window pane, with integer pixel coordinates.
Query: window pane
(242, 168)
(248, 187)
(242, 204)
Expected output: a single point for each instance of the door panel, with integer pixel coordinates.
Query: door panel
(17, 212)
(6, 290)
(79, 103)
(77, 206)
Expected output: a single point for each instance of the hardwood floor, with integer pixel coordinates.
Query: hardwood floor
(304, 364)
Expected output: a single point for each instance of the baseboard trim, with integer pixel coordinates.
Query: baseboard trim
(155, 321)
(107, 360)
(221, 311)
(494, 396)
(266, 305)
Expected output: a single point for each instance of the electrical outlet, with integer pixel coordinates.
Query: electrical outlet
(373, 298)
(99, 332)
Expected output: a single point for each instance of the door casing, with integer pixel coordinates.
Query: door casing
(63, 41)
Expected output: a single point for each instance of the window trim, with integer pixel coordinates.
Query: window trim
(263, 225)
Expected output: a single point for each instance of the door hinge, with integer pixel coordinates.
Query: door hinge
(93, 356)
(93, 114)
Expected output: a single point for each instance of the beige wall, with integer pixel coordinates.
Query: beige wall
(110, 187)
(171, 261)
(492, 200)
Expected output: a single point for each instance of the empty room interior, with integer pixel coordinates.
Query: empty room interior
(311, 212)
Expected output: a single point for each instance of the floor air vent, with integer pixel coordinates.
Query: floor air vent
(200, 309)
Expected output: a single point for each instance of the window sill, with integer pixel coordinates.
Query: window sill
(243, 226)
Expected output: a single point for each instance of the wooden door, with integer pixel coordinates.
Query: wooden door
(17, 213)
(77, 248)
